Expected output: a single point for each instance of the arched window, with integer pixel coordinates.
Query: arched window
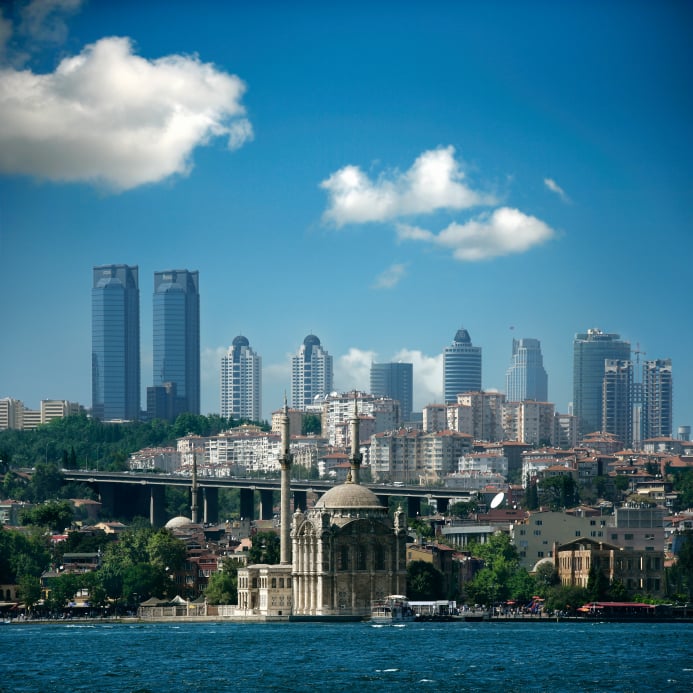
(344, 558)
(361, 558)
(379, 558)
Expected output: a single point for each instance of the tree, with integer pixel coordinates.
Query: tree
(46, 481)
(560, 491)
(545, 578)
(597, 583)
(311, 423)
(424, 581)
(165, 550)
(56, 515)
(265, 549)
(222, 587)
(531, 496)
(462, 509)
(29, 590)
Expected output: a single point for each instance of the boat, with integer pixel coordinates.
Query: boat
(392, 609)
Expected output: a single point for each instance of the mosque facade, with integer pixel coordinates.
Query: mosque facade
(336, 558)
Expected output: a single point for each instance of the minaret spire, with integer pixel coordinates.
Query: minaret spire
(193, 492)
(285, 460)
(356, 456)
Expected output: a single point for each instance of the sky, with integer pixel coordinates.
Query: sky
(379, 174)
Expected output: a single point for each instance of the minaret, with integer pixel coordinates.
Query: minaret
(285, 460)
(193, 492)
(356, 456)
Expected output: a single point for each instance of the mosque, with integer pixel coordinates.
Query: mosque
(335, 558)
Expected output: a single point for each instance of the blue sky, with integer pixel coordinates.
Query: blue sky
(378, 174)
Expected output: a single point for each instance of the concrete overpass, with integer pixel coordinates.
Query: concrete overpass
(126, 494)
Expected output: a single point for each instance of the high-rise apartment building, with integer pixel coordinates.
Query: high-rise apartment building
(115, 343)
(176, 323)
(396, 381)
(657, 395)
(590, 351)
(617, 400)
(526, 378)
(311, 373)
(241, 381)
(461, 367)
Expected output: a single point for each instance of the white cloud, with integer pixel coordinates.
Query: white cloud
(503, 232)
(390, 277)
(554, 187)
(352, 371)
(428, 376)
(43, 20)
(435, 181)
(111, 117)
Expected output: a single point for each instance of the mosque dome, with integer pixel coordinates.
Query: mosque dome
(349, 496)
(178, 521)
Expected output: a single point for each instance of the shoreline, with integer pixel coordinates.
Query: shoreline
(133, 620)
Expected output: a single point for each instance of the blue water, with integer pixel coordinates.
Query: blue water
(498, 657)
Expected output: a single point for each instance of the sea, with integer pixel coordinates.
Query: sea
(142, 657)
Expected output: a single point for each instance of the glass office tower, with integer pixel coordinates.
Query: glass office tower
(394, 380)
(591, 349)
(526, 378)
(176, 322)
(461, 367)
(115, 343)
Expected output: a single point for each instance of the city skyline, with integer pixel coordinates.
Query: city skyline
(374, 177)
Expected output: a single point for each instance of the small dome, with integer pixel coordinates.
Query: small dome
(240, 341)
(178, 521)
(349, 496)
(311, 340)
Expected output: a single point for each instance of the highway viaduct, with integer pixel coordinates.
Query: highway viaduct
(127, 494)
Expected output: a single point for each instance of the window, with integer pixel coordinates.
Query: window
(344, 558)
(577, 532)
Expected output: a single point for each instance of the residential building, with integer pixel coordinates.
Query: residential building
(657, 388)
(11, 413)
(176, 332)
(617, 400)
(338, 408)
(412, 456)
(395, 381)
(529, 422)
(241, 382)
(526, 379)
(435, 418)
(115, 339)
(58, 409)
(311, 374)
(590, 351)
(484, 420)
(461, 367)
(639, 572)
(565, 431)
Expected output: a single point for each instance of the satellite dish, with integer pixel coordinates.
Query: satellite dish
(497, 499)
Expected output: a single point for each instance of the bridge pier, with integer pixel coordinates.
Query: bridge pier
(210, 505)
(266, 505)
(413, 506)
(247, 503)
(300, 500)
(157, 506)
(442, 504)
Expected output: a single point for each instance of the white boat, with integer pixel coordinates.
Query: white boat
(392, 609)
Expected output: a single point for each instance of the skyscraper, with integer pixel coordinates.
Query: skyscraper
(461, 367)
(115, 343)
(176, 322)
(590, 351)
(394, 380)
(241, 381)
(657, 386)
(311, 373)
(617, 400)
(526, 378)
